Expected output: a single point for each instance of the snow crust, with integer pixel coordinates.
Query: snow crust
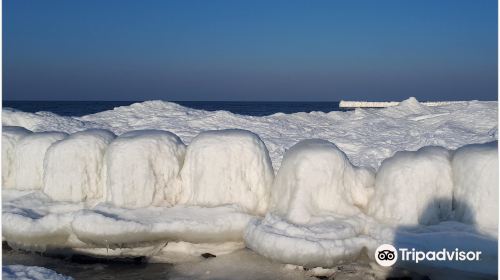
(73, 167)
(10, 137)
(143, 168)
(413, 188)
(21, 272)
(227, 167)
(29, 154)
(475, 175)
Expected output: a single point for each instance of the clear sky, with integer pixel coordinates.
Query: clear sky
(276, 50)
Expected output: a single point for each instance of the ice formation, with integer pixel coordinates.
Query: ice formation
(29, 155)
(320, 209)
(143, 168)
(315, 179)
(413, 188)
(315, 214)
(475, 177)
(16, 272)
(227, 167)
(73, 167)
(10, 137)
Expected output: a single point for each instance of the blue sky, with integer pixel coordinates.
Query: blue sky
(274, 50)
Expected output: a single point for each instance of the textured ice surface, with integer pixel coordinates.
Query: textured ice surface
(414, 188)
(475, 177)
(143, 169)
(21, 272)
(29, 154)
(10, 137)
(367, 136)
(315, 179)
(73, 167)
(227, 167)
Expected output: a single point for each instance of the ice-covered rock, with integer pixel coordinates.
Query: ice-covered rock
(316, 178)
(10, 137)
(475, 177)
(413, 188)
(73, 167)
(143, 168)
(227, 167)
(29, 155)
(316, 216)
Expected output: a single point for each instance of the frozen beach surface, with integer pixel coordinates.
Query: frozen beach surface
(368, 181)
(367, 136)
(21, 272)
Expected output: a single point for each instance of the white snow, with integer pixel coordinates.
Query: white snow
(29, 154)
(325, 206)
(367, 136)
(227, 167)
(73, 167)
(10, 137)
(21, 272)
(413, 188)
(315, 179)
(475, 177)
(143, 168)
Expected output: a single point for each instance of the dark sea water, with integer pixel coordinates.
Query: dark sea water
(256, 108)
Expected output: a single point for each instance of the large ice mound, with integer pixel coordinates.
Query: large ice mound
(227, 167)
(316, 216)
(413, 188)
(475, 177)
(29, 156)
(74, 166)
(143, 168)
(10, 137)
(316, 178)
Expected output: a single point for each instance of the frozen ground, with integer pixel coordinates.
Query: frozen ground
(367, 136)
(368, 181)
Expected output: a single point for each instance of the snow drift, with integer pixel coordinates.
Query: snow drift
(143, 168)
(29, 154)
(227, 167)
(73, 167)
(10, 137)
(475, 177)
(315, 214)
(414, 188)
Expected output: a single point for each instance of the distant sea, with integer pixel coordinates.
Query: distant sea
(256, 108)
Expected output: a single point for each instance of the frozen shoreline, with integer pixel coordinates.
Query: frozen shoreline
(130, 195)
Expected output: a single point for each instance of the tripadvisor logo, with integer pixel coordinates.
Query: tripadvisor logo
(387, 255)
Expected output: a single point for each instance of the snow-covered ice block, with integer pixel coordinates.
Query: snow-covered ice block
(227, 167)
(414, 188)
(316, 178)
(109, 226)
(324, 242)
(29, 156)
(316, 207)
(34, 221)
(16, 272)
(10, 137)
(143, 168)
(74, 166)
(475, 177)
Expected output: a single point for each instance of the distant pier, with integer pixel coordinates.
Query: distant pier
(383, 104)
